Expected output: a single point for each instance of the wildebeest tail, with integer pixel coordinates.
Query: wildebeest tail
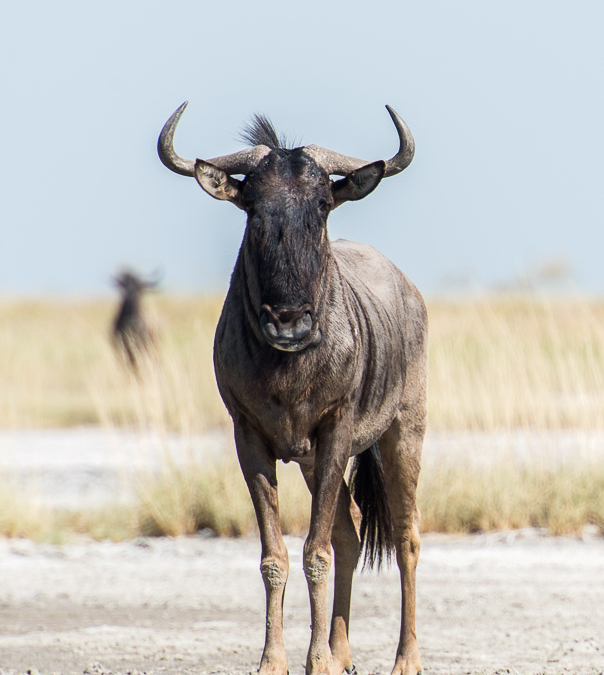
(368, 488)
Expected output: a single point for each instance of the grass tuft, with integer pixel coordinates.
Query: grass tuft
(215, 497)
(454, 497)
(562, 499)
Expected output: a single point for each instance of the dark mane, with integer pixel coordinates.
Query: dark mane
(260, 131)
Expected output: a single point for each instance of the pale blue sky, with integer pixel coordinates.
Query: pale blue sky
(505, 100)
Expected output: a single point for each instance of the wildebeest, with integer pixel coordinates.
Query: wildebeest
(131, 334)
(320, 354)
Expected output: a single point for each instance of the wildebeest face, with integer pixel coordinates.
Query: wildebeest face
(287, 199)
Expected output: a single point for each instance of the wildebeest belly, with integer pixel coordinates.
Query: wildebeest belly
(375, 288)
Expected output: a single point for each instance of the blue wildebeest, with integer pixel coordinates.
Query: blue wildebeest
(131, 334)
(320, 355)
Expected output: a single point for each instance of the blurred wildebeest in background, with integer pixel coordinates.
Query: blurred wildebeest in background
(320, 354)
(132, 336)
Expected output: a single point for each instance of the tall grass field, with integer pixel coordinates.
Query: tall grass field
(498, 365)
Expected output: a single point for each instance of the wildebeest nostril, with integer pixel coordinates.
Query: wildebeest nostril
(270, 329)
(305, 323)
(286, 324)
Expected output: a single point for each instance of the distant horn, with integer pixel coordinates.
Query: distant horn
(341, 165)
(154, 278)
(237, 163)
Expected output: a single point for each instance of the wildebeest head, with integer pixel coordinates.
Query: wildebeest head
(131, 284)
(287, 195)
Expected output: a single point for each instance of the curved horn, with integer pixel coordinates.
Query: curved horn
(239, 162)
(406, 150)
(165, 146)
(341, 165)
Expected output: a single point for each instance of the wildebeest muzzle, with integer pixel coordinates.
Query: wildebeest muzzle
(289, 329)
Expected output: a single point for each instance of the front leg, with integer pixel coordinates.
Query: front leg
(259, 471)
(346, 548)
(333, 449)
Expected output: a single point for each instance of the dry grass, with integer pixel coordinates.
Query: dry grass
(506, 363)
(184, 501)
(453, 498)
(180, 500)
(58, 367)
(495, 364)
(20, 518)
(503, 495)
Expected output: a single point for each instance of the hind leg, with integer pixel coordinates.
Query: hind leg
(400, 448)
(346, 547)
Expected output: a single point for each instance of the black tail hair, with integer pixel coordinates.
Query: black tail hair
(368, 488)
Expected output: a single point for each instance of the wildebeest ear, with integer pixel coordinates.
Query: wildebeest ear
(358, 184)
(217, 183)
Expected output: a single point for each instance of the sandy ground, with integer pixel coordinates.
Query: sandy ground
(492, 604)
(517, 603)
